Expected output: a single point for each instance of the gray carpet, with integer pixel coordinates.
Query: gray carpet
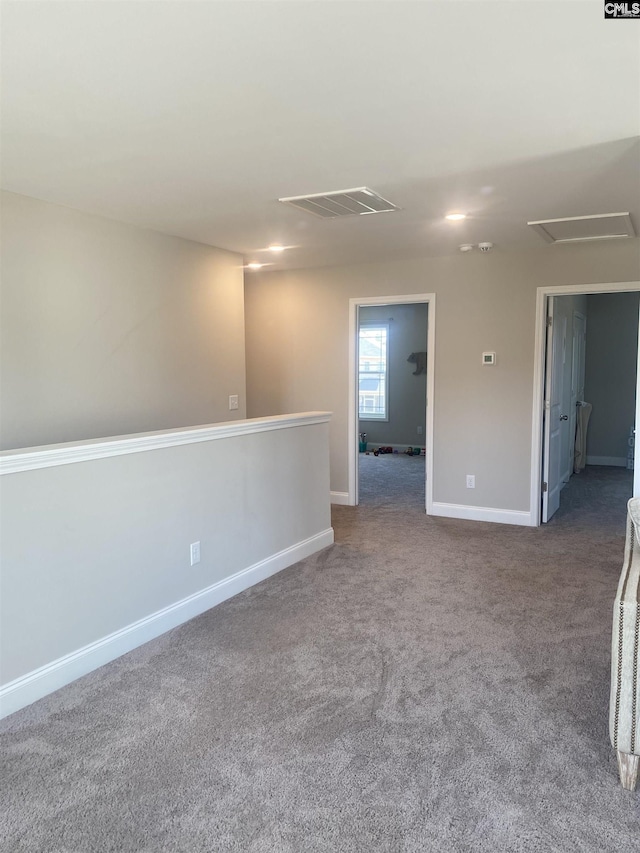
(423, 685)
(391, 479)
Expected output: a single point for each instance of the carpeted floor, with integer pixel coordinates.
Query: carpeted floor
(423, 685)
(391, 479)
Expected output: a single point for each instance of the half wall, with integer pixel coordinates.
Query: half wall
(96, 537)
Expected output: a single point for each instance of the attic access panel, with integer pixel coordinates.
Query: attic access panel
(580, 229)
(355, 202)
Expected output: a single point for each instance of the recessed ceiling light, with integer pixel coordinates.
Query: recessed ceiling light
(254, 266)
(455, 217)
(276, 248)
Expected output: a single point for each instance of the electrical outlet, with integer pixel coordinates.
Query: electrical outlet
(419, 430)
(471, 481)
(195, 553)
(233, 401)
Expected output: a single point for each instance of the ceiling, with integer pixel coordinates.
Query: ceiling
(193, 118)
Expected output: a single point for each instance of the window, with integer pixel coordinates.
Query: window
(373, 357)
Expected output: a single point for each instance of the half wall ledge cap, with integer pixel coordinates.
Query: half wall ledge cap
(51, 455)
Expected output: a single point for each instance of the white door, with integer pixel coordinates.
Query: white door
(553, 417)
(561, 323)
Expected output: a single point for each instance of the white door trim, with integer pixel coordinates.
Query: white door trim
(538, 379)
(354, 306)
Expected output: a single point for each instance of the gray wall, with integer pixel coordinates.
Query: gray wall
(297, 326)
(610, 384)
(407, 393)
(109, 329)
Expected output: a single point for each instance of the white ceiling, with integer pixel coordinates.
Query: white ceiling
(194, 117)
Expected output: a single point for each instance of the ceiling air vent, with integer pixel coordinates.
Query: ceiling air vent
(356, 202)
(579, 229)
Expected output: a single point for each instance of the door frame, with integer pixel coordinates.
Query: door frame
(353, 451)
(542, 295)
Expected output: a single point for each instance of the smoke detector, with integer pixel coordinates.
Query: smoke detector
(466, 247)
(485, 247)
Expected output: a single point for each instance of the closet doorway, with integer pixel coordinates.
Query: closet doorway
(585, 398)
(391, 399)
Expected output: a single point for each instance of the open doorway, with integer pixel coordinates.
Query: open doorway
(391, 347)
(392, 404)
(586, 366)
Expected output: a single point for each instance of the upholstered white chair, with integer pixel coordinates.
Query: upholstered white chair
(624, 705)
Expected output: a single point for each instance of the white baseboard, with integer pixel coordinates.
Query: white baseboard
(615, 461)
(341, 498)
(482, 513)
(44, 680)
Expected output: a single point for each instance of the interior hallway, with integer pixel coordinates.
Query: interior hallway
(423, 685)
